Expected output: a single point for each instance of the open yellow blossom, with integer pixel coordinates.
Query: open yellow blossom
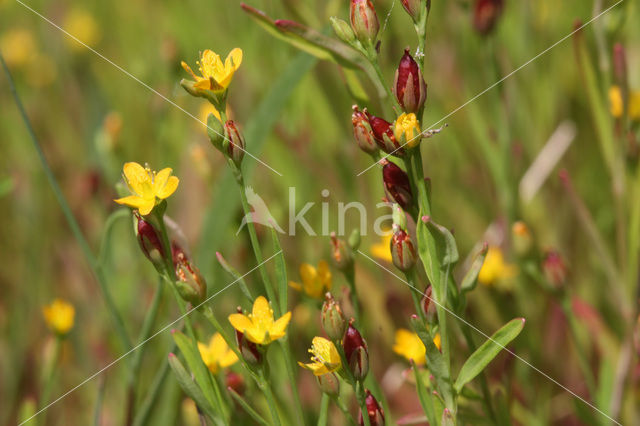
(259, 326)
(382, 250)
(59, 316)
(147, 187)
(409, 345)
(216, 354)
(82, 26)
(616, 104)
(315, 282)
(324, 355)
(495, 270)
(215, 75)
(407, 129)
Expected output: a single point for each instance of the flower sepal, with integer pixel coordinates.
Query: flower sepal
(215, 130)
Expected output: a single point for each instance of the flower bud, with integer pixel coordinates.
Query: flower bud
(149, 242)
(364, 21)
(384, 137)
(521, 237)
(215, 130)
(374, 411)
(403, 252)
(362, 132)
(413, 8)
(356, 352)
(396, 182)
(406, 130)
(191, 284)
(235, 382)
(354, 239)
(333, 321)
(235, 142)
(486, 14)
(329, 384)
(341, 253)
(428, 305)
(248, 349)
(343, 30)
(409, 86)
(555, 271)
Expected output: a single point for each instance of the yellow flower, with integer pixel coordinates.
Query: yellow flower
(616, 104)
(409, 345)
(315, 282)
(324, 355)
(407, 129)
(495, 269)
(216, 75)
(17, 47)
(147, 187)
(81, 25)
(59, 316)
(259, 326)
(216, 354)
(382, 250)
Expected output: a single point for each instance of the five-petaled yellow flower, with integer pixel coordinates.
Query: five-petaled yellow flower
(409, 345)
(324, 355)
(216, 354)
(147, 187)
(259, 326)
(407, 129)
(315, 282)
(382, 250)
(216, 75)
(59, 316)
(616, 104)
(495, 270)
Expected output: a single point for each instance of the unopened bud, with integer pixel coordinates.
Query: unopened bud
(329, 384)
(248, 349)
(362, 132)
(403, 252)
(354, 239)
(428, 305)
(486, 14)
(333, 321)
(396, 183)
(235, 143)
(409, 86)
(364, 21)
(149, 241)
(374, 411)
(190, 284)
(522, 240)
(340, 253)
(384, 136)
(356, 352)
(215, 130)
(343, 30)
(555, 270)
(235, 382)
(414, 8)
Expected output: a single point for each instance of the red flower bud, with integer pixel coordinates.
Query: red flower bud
(149, 242)
(235, 142)
(374, 411)
(235, 382)
(414, 8)
(383, 134)
(486, 14)
(333, 321)
(362, 132)
(428, 305)
(403, 253)
(248, 349)
(396, 183)
(408, 85)
(356, 352)
(364, 21)
(554, 268)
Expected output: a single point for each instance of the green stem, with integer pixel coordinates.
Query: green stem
(291, 375)
(71, 220)
(324, 410)
(268, 393)
(97, 409)
(340, 404)
(410, 276)
(49, 378)
(361, 398)
(350, 275)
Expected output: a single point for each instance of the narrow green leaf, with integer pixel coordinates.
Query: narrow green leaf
(192, 356)
(253, 413)
(470, 279)
(190, 388)
(236, 275)
(446, 248)
(424, 396)
(488, 351)
(281, 272)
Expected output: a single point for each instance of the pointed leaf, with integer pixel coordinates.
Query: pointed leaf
(488, 351)
(192, 357)
(189, 387)
(470, 279)
(281, 272)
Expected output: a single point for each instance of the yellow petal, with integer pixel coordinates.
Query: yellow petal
(217, 345)
(257, 336)
(229, 358)
(294, 285)
(188, 69)
(261, 309)
(240, 322)
(324, 274)
(203, 83)
(137, 178)
(235, 56)
(280, 326)
(160, 179)
(169, 188)
(146, 208)
(308, 274)
(132, 201)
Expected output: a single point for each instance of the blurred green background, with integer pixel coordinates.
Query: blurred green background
(90, 118)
